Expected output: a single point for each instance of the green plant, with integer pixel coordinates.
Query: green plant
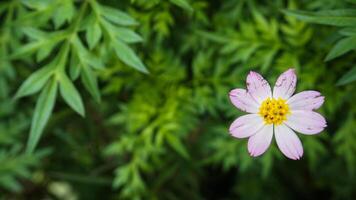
(106, 32)
(344, 18)
(132, 99)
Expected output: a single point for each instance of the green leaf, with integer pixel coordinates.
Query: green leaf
(341, 47)
(128, 56)
(93, 61)
(349, 77)
(27, 49)
(183, 4)
(59, 17)
(42, 113)
(37, 5)
(63, 13)
(214, 37)
(9, 182)
(349, 31)
(90, 83)
(34, 33)
(127, 35)
(177, 145)
(93, 35)
(71, 95)
(116, 16)
(260, 20)
(84, 56)
(34, 82)
(342, 17)
(74, 68)
(44, 51)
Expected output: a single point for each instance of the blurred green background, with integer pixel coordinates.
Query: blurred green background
(129, 99)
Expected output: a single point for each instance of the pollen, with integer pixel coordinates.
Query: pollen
(274, 111)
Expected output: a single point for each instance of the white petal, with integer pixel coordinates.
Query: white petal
(285, 85)
(259, 143)
(288, 142)
(258, 87)
(246, 126)
(305, 121)
(306, 100)
(243, 100)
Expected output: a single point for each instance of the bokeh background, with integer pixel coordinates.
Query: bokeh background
(129, 99)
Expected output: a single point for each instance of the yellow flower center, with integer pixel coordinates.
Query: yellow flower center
(274, 111)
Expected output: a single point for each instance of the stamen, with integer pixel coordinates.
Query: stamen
(274, 111)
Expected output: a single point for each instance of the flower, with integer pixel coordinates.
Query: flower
(276, 112)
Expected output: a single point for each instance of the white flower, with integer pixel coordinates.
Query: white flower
(278, 112)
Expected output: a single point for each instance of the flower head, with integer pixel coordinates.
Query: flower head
(277, 113)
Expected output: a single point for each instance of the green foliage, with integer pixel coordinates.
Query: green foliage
(264, 39)
(338, 17)
(183, 3)
(348, 77)
(104, 27)
(131, 97)
(15, 165)
(345, 139)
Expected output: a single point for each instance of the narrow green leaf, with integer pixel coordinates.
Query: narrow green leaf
(9, 182)
(127, 35)
(349, 31)
(44, 51)
(128, 56)
(177, 145)
(34, 82)
(214, 37)
(93, 61)
(37, 5)
(74, 68)
(34, 33)
(85, 57)
(116, 16)
(42, 113)
(90, 83)
(343, 17)
(349, 77)
(71, 95)
(27, 49)
(341, 47)
(183, 4)
(63, 13)
(260, 20)
(59, 17)
(93, 35)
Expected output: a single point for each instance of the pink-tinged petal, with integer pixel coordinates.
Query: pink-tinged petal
(288, 142)
(258, 87)
(259, 143)
(285, 85)
(306, 100)
(243, 100)
(306, 122)
(246, 125)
